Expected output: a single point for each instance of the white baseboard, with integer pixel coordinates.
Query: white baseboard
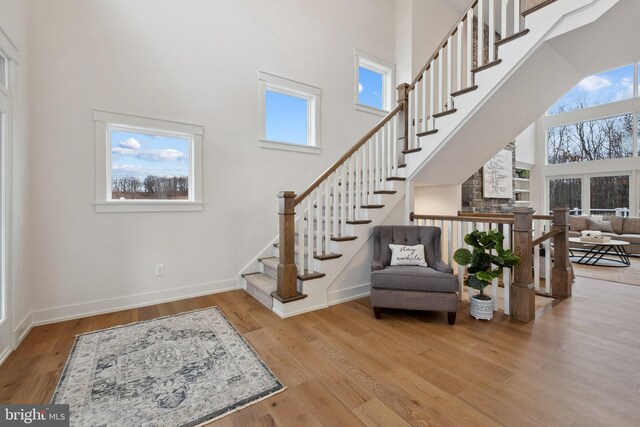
(284, 315)
(75, 311)
(348, 294)
(7, 351)
(22, 330)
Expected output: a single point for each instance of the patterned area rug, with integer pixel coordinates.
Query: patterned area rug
(628, 275)
(182, 370)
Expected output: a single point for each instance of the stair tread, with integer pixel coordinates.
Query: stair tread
(271, 262)
(512, 37)
(326, 256)
(343, 238)
(486, 66)
(263, 282)
(385, 192)
(444, 113)
(372, 206)
(426, 133)
(396, 178)
(463, 91)
(359, 221)
(310, 275)
(412, 150)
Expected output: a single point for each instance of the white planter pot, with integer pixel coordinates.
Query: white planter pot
(481, 309)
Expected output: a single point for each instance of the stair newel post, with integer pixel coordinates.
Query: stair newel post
(523, 294)
(403, 98)
(561, 273)
(287, 270)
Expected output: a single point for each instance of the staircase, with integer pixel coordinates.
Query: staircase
(324, 227)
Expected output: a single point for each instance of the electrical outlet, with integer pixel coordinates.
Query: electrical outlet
(159, 269)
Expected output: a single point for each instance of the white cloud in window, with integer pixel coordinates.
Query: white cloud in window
(594, 83)
(626, 90)
(153, 155)
(360, 88)
(131, 143)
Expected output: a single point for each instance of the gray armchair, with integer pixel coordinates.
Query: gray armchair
(431, 288)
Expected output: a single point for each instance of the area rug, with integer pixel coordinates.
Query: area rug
(181, 370)
(629, 275)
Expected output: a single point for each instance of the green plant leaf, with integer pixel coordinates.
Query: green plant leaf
(462, 256)
(476, 283)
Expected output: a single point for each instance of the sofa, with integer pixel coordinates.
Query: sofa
(429, 288)
(619, 228)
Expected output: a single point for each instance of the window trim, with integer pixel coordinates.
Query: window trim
(4, 85)
(273, 83)
(378, 65)
(106, 121)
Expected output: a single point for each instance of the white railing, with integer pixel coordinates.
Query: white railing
(542, 259)
(453, 230)
(345, 192)
(451, 68)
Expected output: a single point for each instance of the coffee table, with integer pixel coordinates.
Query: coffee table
(596, 253)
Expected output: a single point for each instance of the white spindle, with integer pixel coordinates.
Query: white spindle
(352, 188)
(516, 16)
(343, 198)
(394, 149)
(410, 121)
(416, 115)
(387, 155)
(494, 282)
(503, 18)
(536, 256)
(440, 81)
(459, 56)
(459, 240)
(547, 266)
(450, 243)
(424, 116)
(358, 179)
(299, 227)
(492, 31)
(379, 161)
(449, 74)
(480, 33)
(327, 217)
(310, 233)
(432, 95)
(506, 274)
(469, 230)
(318, 237)
(469, 25)
(365, 183)
(334, 203)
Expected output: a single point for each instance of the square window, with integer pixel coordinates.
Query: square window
(145, 165)
(149, 165)
(289, 114)
(374, 84)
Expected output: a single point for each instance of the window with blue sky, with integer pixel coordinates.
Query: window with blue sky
(370, 88)
(149, 166)
(603, 88)
(286, 118)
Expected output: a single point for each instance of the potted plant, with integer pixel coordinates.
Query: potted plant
(480, 267)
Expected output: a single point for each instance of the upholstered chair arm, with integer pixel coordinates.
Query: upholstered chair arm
(376, 265)
(441, 266)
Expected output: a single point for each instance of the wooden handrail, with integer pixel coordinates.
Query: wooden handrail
(501, 215)
(348, 154)
(545, 236)
(495, 220)
(442, 44)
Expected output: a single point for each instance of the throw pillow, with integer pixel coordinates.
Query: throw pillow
(604, 226)
(578, 223)
(407, 255)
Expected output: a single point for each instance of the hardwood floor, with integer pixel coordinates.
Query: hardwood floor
(578, 364)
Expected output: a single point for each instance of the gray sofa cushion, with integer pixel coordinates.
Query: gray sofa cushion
(578, 223)
(631, 226)
(413, 278)
(617, 223)
(604, 226)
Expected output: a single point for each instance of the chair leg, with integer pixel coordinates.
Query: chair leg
(451, 317)
(377, 312)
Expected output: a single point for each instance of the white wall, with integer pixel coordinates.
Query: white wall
(197, 62)
(13, 25)
(438, 200)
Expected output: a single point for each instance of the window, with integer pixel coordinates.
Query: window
(146, 164)
(566, 192)
(608, 138)
(289, 114)
(609, 195)
(610, 86)
(374, 84)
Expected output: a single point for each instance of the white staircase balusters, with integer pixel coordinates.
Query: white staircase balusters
(469, 29)
(516, 16)
(449, 76)
(459, 39)
(492, 31)
(480, 33)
